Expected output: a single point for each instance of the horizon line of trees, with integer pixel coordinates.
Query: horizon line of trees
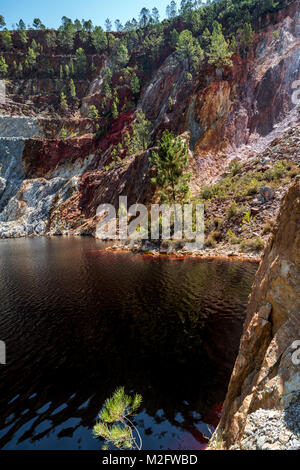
(150, 18)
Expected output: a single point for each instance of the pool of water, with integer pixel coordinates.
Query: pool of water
(79, 322)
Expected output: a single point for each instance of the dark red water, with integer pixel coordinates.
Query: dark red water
(79, 322)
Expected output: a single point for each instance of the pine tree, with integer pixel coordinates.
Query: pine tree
(173, 9)
(174, 36)
(219, 53)
(170, 164)
(37, 24)
(66, 35)
(21, 25)
(99, 39)
(72, 89)
(141, 134)
(6, 40)
(93, 115)
(3, 67)
(144, 17)
(31, 57)
(107, 91)
(23, 37)
(135, 84)
(20, 69)
(51, 39)
(2, 22)
(122, 56)
(114, 424)
(155, 15)
(63, 102)
(188, 50)
(67, 71)
(247, 36)
(108, 25)
(81, 62)
(114, 110)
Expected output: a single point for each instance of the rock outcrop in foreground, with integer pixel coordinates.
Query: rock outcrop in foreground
(262, 407)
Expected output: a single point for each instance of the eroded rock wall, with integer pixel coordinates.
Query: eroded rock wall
(262, 406)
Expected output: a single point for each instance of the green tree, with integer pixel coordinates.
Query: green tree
(51, 39)
(87, 25)
(107, 91)
(3, 67)
(155, 15)
(108, 25)
(66, 35)
(72, 68)
(20, 70)
(84, 36)
(170, 163)
(114, 110)
(141, 134)
(63, 101)
(122, 55)
(6, 39)
(118, 25)
(67, 71)
(114, 424)
(135, 84)
(77, 25)
(246, 36)
(31, 57)
(21, 25)
(99, 39)
(23, 37)
(2, 22)
(37, 24)
(188, 50)
(174, 37)
(72, 89)
(93, 115)
(219, 53)
(144, 17)
(81, 63)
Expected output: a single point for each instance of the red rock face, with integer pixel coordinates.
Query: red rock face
(41, 157)
(223, 114)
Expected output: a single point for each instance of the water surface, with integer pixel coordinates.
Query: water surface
(78, 322)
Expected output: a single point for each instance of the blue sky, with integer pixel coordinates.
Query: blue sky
(50, 12)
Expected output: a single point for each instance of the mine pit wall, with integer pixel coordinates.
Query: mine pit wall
(218, 114)
(27, 194)
(262, 406)
(235, 108)
(53, 186)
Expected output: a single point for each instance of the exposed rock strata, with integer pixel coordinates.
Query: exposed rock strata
(234, 115)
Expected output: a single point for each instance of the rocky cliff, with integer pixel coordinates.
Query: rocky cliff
(54, 172)
(262, 406)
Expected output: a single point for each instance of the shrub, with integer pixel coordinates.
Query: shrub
(247, 219)
(253, 244)
(232, 238)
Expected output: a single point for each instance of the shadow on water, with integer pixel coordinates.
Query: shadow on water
(78, 322)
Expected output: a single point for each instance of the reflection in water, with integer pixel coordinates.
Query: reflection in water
(79, 322)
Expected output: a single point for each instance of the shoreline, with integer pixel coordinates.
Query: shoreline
(222, 254)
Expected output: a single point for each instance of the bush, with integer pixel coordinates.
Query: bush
(235, 210)
(232, 238)
(254, 244)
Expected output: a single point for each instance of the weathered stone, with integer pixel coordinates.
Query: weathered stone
(265, 383)
(267, 193)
